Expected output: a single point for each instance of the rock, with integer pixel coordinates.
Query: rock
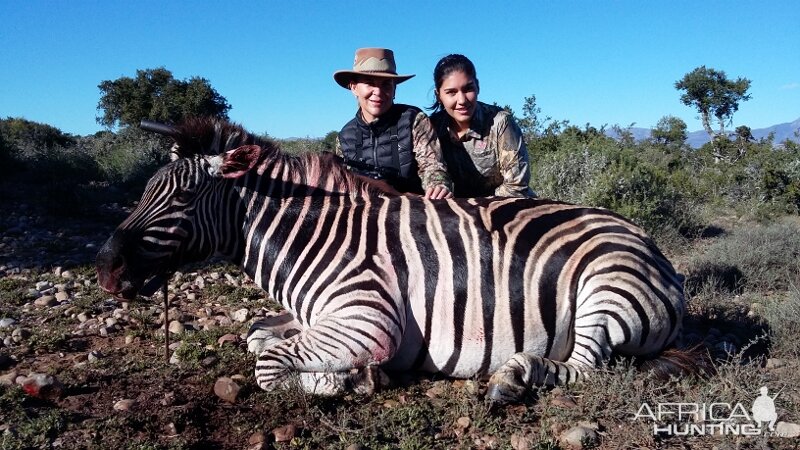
(257, 441)
(774, 363)
(6, 322)
(228, 339)
(170, 429)
(471, 387)
(563, 401)
(391, 404)
(521, 442)
(129, 339)
(209, 361)
(257, 437)
(83, 317)
(42, 385)
(67, 275)
(62, 296)
(20, 334)
(176, 327)
(241, 315)
(46, 301)
(463, 422)
(9, 379)
(437, 390)
(94, 356)
(788, 430)
(226, 389)
(124, 404)
(578, 437)
(223, 321)
(285, 433)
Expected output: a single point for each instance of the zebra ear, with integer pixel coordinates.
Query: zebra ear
(236, 162)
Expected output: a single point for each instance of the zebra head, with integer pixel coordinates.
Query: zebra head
(180, 218)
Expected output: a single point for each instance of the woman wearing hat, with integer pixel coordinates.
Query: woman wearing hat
(389, 141)
(482, 144)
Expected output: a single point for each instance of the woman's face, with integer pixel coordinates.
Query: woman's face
(375, 96)
(459, 96)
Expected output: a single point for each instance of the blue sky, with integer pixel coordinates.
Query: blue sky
(598, 62)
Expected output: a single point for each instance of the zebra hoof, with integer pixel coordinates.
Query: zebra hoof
(502, 393)
(367, 381)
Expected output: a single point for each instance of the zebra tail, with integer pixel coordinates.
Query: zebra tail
(692, 361)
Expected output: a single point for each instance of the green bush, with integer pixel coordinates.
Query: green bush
(45, 150)
(129, 157)
(763, 178)
(592, 169)
(298, 146)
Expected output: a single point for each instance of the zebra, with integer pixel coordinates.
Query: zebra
(526, 292)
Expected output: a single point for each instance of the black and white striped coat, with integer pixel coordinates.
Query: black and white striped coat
(528, 291)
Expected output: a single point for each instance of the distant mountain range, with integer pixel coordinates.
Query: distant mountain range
(697, 139)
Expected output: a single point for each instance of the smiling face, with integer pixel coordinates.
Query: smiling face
(459, 97)
(375, 95)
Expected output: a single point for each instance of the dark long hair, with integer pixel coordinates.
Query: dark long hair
(446, 66)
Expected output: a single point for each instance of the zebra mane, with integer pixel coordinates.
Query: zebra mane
(211, 136)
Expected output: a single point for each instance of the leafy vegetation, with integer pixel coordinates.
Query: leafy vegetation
(155, 95)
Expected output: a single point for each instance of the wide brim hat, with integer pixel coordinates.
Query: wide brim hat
(374, 62)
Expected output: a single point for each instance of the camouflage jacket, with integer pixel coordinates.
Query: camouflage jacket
(490, 159)
(427, 152)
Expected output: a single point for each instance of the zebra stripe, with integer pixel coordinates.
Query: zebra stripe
(527, 291)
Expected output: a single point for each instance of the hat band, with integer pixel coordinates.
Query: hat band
(374, 65)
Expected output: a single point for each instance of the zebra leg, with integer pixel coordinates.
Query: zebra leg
(270, 330)
(330, 358)
(525, 370)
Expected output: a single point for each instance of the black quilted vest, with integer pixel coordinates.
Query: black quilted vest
(384, 149)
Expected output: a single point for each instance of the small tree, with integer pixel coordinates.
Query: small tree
(155, 95)
(714, 96)
(670, 131)
(531, 123)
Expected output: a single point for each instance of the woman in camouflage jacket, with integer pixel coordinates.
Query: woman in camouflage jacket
(481, 144)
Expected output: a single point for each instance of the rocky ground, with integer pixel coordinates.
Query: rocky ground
(79, 369)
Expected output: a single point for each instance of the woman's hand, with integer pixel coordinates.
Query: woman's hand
(438, 192)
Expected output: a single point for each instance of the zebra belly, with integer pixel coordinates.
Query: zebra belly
(467, 358)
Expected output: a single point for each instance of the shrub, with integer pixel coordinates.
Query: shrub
(764, 177)
(45, 150)
(128, 157)
(592, 169)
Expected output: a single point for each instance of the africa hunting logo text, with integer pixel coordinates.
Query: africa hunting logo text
(717, 418)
